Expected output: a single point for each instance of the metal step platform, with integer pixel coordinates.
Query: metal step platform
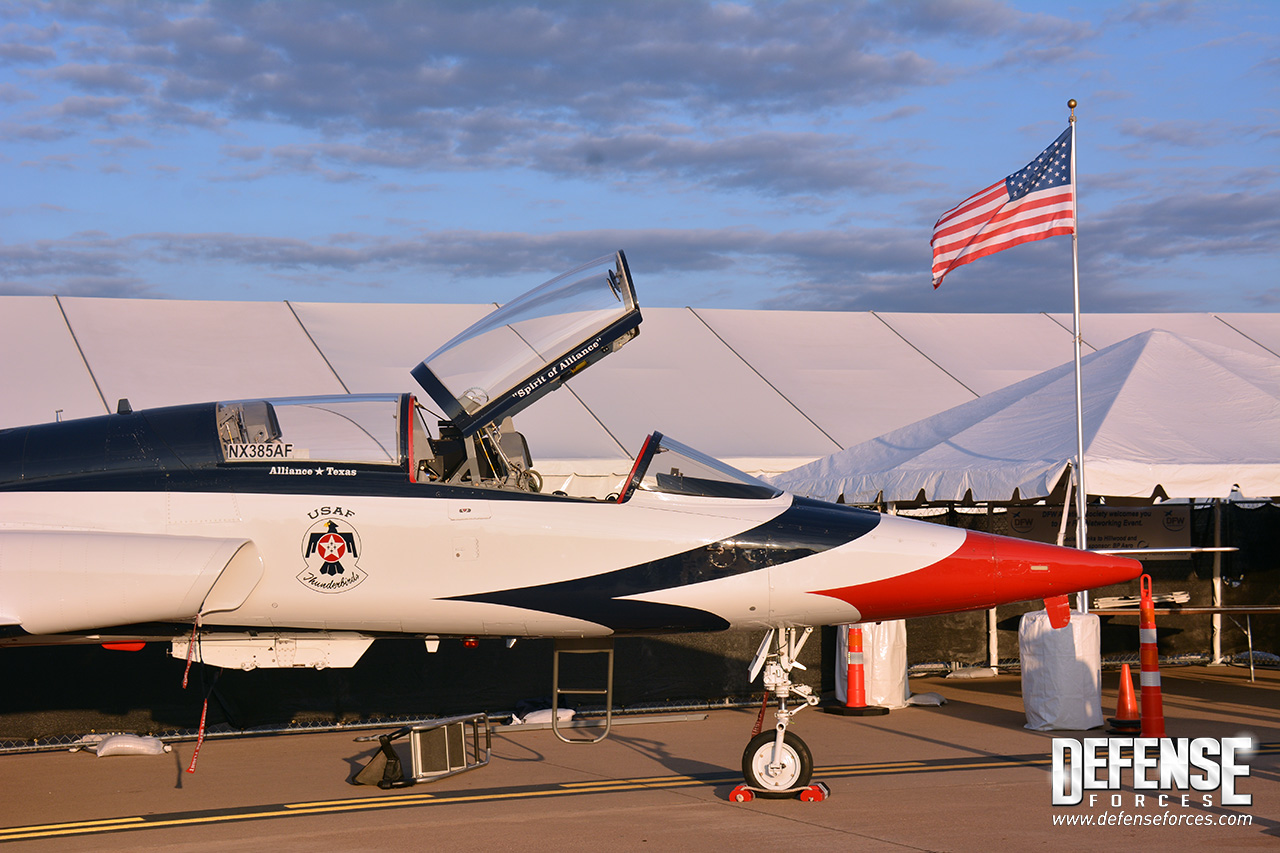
(437, 749)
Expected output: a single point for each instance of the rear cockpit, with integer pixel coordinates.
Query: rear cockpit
(356, 429)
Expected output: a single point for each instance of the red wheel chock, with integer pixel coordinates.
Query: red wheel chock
(815, 793)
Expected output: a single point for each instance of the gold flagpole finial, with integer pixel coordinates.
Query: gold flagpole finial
(1071, 105)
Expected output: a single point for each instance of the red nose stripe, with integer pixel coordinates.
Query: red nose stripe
(985, 571)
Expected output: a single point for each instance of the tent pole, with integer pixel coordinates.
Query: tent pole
(1066, 507)
(993, 636)
(1082, 493)
(1217, 581)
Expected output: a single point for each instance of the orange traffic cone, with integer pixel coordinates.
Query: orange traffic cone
(1149, 654)
(1126, 720)
(855, 704)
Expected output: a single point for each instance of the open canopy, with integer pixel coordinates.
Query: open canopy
(1162, 414)
(530, 346)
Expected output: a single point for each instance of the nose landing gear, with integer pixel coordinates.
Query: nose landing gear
(778, 764)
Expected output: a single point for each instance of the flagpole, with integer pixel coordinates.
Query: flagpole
(1082, 494)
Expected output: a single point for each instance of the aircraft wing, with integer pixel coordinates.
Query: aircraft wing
(59, 581)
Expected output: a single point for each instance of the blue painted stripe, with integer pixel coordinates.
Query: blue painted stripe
(807, 527)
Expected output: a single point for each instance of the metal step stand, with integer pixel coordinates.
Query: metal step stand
(437, 749)
(581, 647)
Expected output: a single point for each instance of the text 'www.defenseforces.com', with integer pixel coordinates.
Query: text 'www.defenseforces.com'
(1152, 819)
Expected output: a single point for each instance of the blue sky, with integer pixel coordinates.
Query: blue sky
(770, 155)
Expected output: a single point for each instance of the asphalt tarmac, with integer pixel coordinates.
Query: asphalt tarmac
(966, 776)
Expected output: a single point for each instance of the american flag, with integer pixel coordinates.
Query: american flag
(1031, 204)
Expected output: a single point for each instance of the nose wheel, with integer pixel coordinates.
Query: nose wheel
(777, 763)
(777, 771)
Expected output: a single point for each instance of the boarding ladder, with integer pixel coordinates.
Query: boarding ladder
(593, 646)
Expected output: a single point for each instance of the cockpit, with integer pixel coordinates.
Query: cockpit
(391, 432)
(480, 380)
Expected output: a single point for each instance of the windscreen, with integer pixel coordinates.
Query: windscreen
(677, 469)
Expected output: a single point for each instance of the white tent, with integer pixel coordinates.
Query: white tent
(762, 390)
(1161, 412)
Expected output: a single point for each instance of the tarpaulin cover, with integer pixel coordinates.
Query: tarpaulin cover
(1061, 672)
(884, 651)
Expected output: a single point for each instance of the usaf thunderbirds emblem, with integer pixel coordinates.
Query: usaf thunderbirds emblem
(330, 549)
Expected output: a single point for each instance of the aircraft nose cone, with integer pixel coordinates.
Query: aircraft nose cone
(1025, 570)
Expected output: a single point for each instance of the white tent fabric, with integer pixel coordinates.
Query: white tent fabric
(1160, 412)
(763, 390)
(44, 374)
(1260, 329)
(1103, 330)
(146, 350)
(986, 352)
(844, 370)
(679, 378)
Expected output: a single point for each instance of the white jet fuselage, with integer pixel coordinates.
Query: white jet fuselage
(501, 565)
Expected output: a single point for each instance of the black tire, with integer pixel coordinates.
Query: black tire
(797, 765)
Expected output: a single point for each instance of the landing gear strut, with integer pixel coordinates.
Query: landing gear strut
(778, 764)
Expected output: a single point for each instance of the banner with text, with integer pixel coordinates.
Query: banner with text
(1111, 527)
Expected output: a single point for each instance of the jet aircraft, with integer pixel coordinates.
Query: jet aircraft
(294, 532)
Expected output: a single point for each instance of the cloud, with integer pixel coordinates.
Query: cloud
(32, 132)
(886, 269)
(61, 162)
(98, 78)
(110, 286)
(806, 119)
(14, 54)
(89, 106)
(900, 113)
(1031, 278)
(12, 94)
(243, 152)
(1037, 39)
(1151, 14)
(121, 143)
(76, 257)
(1183, 133)
(458, 254)
(495, 85)
(1164, 229)
(772, 162)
